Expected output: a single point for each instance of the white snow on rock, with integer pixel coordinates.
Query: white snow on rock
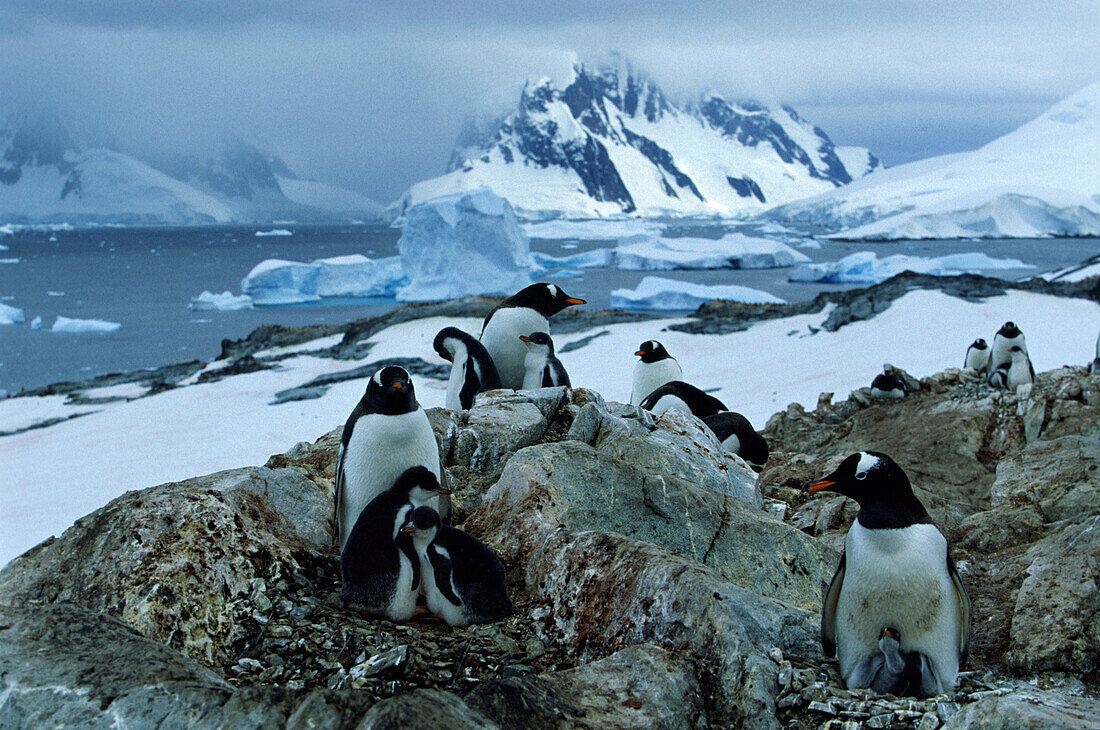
(1040, 180)
(732, 251)
(658, 293)
(599, 258)
(864, 267)
(463, 245)
(1084, 270)
(83, 326)
(10, 314)
(275, 232)
(277, 282)
(226, 301)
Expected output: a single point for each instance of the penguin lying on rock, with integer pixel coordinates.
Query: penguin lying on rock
(654, 368)
(462, 579)
(888, 385)
(686, 397)
(529, 310)
(472, 369)
(542, 369)
(387, 433)
(895, 572)
(379, 567)
(737, 436)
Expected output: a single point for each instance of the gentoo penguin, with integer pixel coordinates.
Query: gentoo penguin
(977, 356)
(463, 580)
(888, 384)
(387, 433)
(472, 369)
(379, 567)
(527, 311)
(686, 397)
(896, 571)
(1007, 337)
(1017, 371)
(1095, 366)
(893, 671)
(737, 436)
(654, 368)
(541, 368)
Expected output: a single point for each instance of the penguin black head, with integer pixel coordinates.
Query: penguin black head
(979, 344)
(546, 299)
(442, 347)
(422, 524)
(1009, 330)
(652, 351)
(390, 392)
(537, 341)
(878, 484)
(418, 478)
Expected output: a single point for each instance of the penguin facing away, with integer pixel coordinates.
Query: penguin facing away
(1007, 337)
(472, 368)
(737, 436)
(977, 356)
(686, 397)
(654, 368)
(887, 385)
(463, 580)
(542, 368)
(1017, 371)
(895, 571)
(379, 567)
(387, 433)
(529, 310)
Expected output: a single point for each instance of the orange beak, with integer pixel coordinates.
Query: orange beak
(408, 529)
(397, 386)
(525, 338)
(443, 490)
(819, 485)
(639, 353)
(574, 300)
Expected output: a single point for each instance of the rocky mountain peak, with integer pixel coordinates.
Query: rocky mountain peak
(34, 139)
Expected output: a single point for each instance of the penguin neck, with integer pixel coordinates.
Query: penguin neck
(900, 511)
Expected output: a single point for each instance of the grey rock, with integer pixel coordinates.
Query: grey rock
(425, 709)
(1028, 709)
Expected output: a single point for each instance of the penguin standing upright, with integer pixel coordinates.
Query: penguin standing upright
(472, 369)
(977, 356)
(542, 368)
(527, 311)
(379, 567)
(463, 580)
(1017, 371)
(654, 368)
(896, 571)
(888, 385)
(686, 397)
(1095, 366)
(387, 433)
(737, 436)
(1007, 337)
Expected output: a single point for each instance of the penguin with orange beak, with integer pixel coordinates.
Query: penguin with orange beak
(528, 310)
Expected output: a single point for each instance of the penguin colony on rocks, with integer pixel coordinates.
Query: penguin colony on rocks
(896, 614)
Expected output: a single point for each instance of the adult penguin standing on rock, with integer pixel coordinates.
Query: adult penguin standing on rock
(1007, 337)
(387, 433)
(654, 368)
(529, 310)
(896, 572)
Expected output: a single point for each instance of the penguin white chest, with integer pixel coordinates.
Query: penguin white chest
(1019, 372)
(648, 376)
(458, 378)
(534, 367)
(1001, 350)
(977, 359)
(898, 578)
(501, 339)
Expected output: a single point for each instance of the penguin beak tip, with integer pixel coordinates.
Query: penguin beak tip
(819, 485)
(574, 300)
(639, 353)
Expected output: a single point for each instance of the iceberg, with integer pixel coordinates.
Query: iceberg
(10, 314)
(605, 229)
(599, 258)
(9, 261)
(732, 251)
(275, 232)
(82, 326)
(864, 267)
(463, 245)
(275, 282)
(36, 323)
(226, 301)
(658, 293)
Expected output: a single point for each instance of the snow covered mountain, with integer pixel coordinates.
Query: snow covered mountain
(46, 177)
(611, 143)
(1043, 179)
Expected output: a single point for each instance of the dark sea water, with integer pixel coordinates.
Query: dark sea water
(144, 279)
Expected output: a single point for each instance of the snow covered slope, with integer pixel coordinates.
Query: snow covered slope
(610, 143)
(1043, 179)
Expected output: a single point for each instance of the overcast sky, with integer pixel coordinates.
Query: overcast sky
(371, 96)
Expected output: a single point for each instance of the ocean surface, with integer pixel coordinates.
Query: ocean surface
(144, 279)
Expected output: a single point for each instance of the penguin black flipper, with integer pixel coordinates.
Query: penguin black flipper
(554, 374)
(443, 568)
(471, 386)
(962, 598)
(405, 545)
(828, 610)
(480, 576)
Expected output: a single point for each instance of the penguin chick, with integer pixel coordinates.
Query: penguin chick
(654, 368)
(977, 356)
(1017, 371)
(387, 433)
(463, 580)
(472, 369)
(888, 385)
(686, 397)
(543, 369)
(737, 436)
(896, 570)
(1007, 337)
(379, 567)
(529, 310)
